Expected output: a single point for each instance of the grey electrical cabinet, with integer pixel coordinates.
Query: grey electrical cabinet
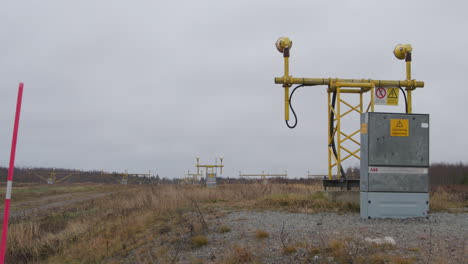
(394, 165)
(210, 180)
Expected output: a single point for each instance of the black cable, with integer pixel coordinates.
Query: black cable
(332, 117)
(292, 109)
(406, 102)
(332, 126)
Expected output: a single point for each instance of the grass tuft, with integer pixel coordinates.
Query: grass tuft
(199, 241)
(224, 229)
(261, 234)
(288, 250)
(238, 254)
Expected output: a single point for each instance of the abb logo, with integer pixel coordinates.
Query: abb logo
(374, 169)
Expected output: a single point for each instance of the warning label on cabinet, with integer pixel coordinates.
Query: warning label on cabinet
(399, 127)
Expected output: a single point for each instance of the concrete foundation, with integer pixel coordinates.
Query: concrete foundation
(343, 196)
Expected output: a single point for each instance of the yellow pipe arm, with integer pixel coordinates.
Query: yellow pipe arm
(328, 81)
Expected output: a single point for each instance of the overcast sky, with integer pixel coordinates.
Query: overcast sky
(149, 85)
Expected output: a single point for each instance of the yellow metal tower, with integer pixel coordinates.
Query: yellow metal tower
(339, 107)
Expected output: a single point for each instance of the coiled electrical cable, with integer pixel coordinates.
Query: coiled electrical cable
(292, 109)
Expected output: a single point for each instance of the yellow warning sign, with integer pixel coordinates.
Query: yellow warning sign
(392, 97)
(399, 127)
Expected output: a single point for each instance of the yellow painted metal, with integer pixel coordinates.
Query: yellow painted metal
(409, 89)
(401, 50)
(330, 137)
(338, 129)
(264, 175)
(316, 176)
(52, 175)
(210, 169)
(193, 177)
(286, 88)
(328, 81)
(137, 175)
(283, 43)
(123, 180)
(343, 153)
(286, 103)
(341, 87)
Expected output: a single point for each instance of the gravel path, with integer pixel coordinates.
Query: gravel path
(442, 238)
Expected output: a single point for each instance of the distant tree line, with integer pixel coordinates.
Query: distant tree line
(445, 173)
(439, 174)
(31, 175)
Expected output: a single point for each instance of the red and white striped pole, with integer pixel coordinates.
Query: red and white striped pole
(10, 176)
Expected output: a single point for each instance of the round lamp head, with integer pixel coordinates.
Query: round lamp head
(283, 43)
(401, 50)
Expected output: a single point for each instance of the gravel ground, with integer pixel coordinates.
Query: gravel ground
(440, 239)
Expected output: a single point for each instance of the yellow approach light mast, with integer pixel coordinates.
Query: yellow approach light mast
(115, 175)
(342, 145)
(51, 177)
(315, 176)
(194, 177)
(139, 176)
(264, 175)
(211, 171)
(210, 168)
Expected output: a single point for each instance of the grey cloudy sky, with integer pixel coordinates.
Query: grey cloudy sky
(143, 85)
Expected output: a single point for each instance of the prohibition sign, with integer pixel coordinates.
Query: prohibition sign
(381, 93)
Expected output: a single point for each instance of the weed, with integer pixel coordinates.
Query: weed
(199, 241)
(164, 229)
(261, 234)
(315, 202)
(93, 231)
(224, 229)
(238, 254)
(314, 250)
(287, 250)
(414, 249)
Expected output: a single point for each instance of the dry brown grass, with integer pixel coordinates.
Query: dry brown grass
(261, 234)
(110, 227)
(305, 202)
(449, 198)
(287, 250)
(199, 240)
(348, 250)
(224, 229)
(238, 254)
